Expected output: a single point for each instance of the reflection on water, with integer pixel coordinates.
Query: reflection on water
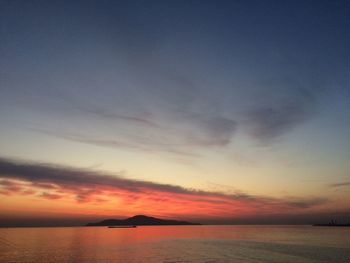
(176, 244)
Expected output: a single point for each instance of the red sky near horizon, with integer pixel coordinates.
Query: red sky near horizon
(40, 189)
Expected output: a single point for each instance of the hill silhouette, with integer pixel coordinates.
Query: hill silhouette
(140, 220)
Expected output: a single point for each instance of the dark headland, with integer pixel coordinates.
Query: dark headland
(140, 220)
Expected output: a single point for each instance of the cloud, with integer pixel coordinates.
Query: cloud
(102, 112)
(340, 184)
(138, 143)
(282, 105)
(213, 131)
(310, 203)
(165, 113)
(197, 132)
(89, 140)
(58, 183)
(109, 115)
(9, 187)
(50, 196)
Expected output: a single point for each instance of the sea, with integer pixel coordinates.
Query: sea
(235, 243)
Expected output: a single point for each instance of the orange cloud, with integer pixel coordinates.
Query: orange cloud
(105, 193)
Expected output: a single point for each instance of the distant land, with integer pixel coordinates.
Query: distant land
(140, 220)
(332, 223)
(348, 225)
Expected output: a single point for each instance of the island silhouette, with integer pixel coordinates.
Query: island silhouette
(140, 220)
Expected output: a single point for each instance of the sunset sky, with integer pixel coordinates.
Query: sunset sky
(214, 111)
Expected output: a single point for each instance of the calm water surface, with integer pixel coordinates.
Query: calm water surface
(251, 244)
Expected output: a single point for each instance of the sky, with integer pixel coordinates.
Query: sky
(214, 111)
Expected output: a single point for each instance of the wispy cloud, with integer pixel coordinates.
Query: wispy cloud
(212, 131)
(50, 196)
(102, 112)
(282, 105)
(57, 183)
(176, 124)
(340, 184)
(195, 132)
(139, 143)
